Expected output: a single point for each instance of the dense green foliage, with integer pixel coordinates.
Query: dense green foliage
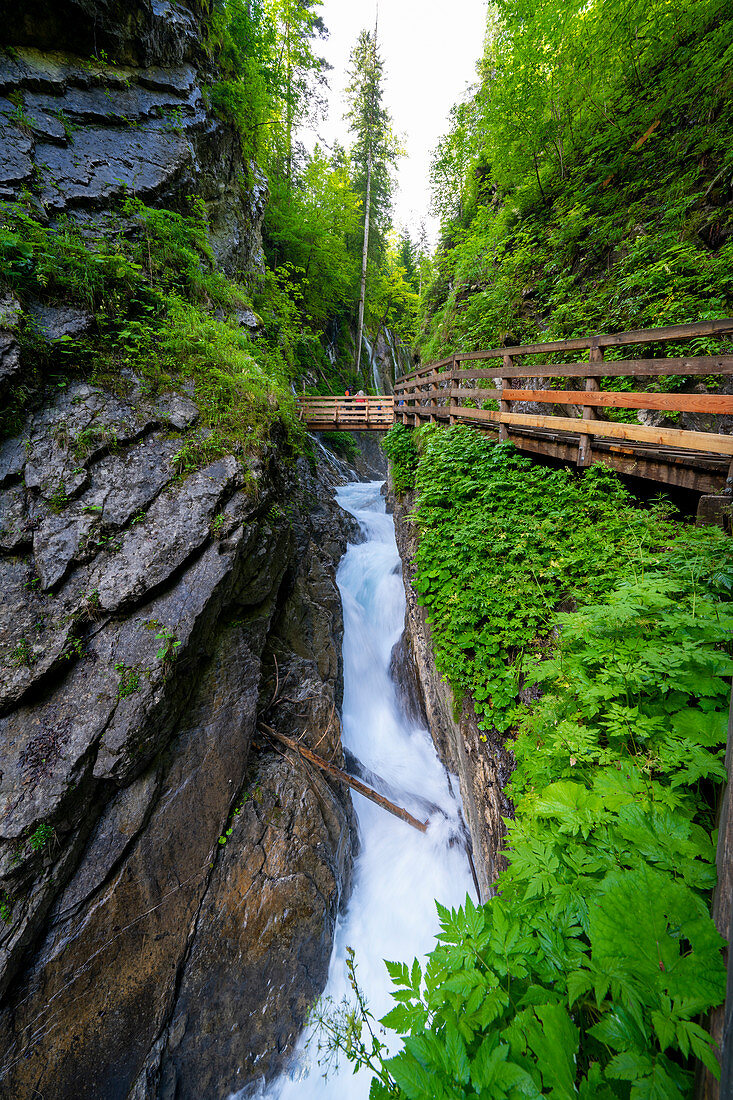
(399, 446)
(586, 186)
(162, 310)
(588, 973)
(271, 86)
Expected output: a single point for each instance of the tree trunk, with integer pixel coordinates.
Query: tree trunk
(364, 256)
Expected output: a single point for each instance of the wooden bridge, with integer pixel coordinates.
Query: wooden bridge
(458, 390)
(351, 414)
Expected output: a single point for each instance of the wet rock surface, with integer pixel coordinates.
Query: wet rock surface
(122, 112)
(150, 624)
(483, 766)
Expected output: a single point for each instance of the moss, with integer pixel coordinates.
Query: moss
(163, 314)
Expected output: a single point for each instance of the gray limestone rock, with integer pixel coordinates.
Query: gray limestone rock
(55, 322)
(179, 411)
(103, 165)
(173, 528)
(15, 529)
(9, 358)
(16, 162)
(13, 453)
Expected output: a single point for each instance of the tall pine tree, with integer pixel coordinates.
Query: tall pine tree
(373, 154)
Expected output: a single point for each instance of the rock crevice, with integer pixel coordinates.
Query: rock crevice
(480, 759)
(171, 881)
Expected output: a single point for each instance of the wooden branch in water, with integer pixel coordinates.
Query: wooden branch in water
(344, 777)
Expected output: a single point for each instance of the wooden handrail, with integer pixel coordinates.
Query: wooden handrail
(432, 392)
(721, 327)
(323, 411)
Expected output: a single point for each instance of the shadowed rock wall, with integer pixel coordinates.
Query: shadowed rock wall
(483, 766)
(122, 111)
(148, 620)
(169, 883)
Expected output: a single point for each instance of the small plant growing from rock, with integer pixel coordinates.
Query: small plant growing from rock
(42, 837)
(74, 649)
(6, 907)
(69, 127)
(22, 654)
(170, 643)
(59, 499)
(90, 607)
(18, 116)
(129, 680)
(256, 796)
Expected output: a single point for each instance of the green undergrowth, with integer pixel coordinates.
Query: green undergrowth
(611, 213)
(163, 315)
(590, 973)
(341, 443)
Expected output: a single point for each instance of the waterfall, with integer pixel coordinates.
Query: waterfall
(399, 871)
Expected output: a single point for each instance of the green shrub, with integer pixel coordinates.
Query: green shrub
(341, 443)
(589, 972)
(400, 446)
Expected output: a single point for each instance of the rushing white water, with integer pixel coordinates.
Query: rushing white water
(399, 871)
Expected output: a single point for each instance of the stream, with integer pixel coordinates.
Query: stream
(399, 871)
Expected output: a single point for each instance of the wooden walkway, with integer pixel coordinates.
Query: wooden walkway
(472, 388)
(462, 390)
(351, 414)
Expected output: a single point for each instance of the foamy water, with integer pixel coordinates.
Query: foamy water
(399, 872)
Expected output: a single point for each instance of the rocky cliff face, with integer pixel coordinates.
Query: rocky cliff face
(169, 890)
(121, 112)
(169, 882)
(483, 766)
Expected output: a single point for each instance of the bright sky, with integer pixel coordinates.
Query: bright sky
(430, 49)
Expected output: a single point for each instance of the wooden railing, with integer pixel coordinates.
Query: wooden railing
(440, 391)
(354, 413)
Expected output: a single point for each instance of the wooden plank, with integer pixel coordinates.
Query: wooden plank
(440, 376)
(429, 367)
(696, 365)
(678, 402)
(478, 395)
(618, 339)
(624, 462)
(710, 442)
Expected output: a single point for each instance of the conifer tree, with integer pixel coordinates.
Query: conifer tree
(373, 153)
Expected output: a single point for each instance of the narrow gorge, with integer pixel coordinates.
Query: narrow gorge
(277, 520)
(169, 882)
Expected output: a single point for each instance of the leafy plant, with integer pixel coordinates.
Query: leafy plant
(129, 682)
(400, 446)
(42, 837)
(170, 643)
(587, 974)
(341, 443)
(23, 654)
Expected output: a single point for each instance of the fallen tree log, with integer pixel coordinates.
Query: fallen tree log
(344, 777)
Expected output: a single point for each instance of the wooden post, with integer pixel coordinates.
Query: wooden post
(504, 406)
(434, 398)
(453, 368)
(584, 444)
